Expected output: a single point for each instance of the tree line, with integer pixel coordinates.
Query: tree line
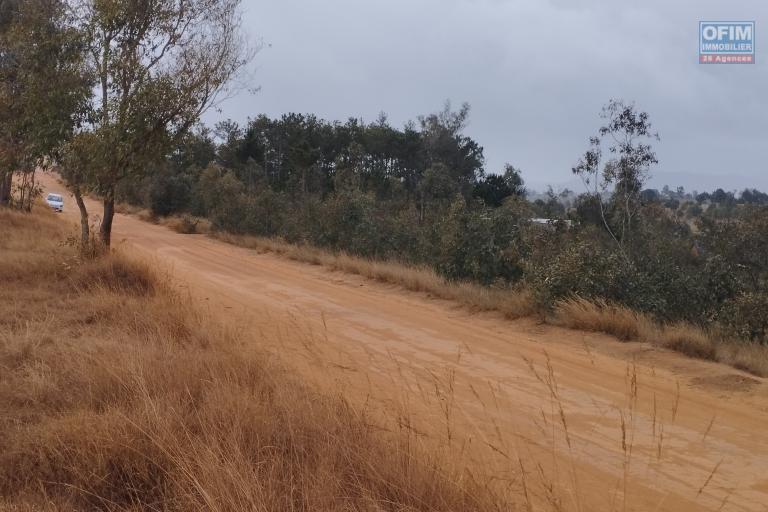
(420, 194)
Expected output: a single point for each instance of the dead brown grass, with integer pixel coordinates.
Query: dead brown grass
(185, 224)
(117, 394)
(689, 340)
(20, 232)
(749, 357)
(628, 325)
(129, 209)
(601, 316)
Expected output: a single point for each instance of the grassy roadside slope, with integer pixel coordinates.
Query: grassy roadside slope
(576, 313)
(116, 393)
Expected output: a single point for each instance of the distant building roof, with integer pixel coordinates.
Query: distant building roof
(548, 222)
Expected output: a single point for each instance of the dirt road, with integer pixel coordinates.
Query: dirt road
(572, 418)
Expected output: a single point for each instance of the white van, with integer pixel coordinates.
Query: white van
(55, 201)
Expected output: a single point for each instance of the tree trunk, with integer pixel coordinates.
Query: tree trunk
(6, 179)
(105, 231)
(31, 193)
(85, 231)
(22, 191)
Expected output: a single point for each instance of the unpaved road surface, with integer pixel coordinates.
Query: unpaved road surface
(572, 418)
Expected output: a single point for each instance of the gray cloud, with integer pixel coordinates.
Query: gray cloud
(536, 74)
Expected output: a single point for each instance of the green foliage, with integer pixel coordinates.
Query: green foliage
(481, 244)
(168, 192)
(158, 66)
(493, 189)
(223, 199)
(43, 88)
(346, 222)
(742, 240)
(583, 264)
(624, 140)
(746, 316)
(379, 192)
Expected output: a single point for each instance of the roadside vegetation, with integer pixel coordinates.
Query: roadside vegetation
(118, 394)
(576, 313)
(419, 199)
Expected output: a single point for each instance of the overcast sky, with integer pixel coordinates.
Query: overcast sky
(536, 73)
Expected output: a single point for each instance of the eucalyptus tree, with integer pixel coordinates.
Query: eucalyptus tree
(625, 140)
(158, 65)
(43, 88)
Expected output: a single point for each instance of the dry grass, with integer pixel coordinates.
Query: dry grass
(749, 357)
(129, 209)
(17, 234)
(117, 394)
(186, 224)
(690, 341)
(628, 325)
(600, 316)
(513, 303)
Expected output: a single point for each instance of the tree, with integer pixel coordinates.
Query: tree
(624, 137)
(43, 89)
(436, 190)
(719, 196)
(159, 65)
(753, 196)
(588, 209)
(493, 189)
(650, 195)
(552, 208)
(444, 143)
(703, 197)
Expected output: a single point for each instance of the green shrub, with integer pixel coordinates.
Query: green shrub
(564, 265)
(746, 317)
(480, 244)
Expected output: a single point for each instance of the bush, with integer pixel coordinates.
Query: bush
(169, 193)
(746, 317)
(224, 200)
(480, 245)
(186, 224)
(585, 268)
(347, 223)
